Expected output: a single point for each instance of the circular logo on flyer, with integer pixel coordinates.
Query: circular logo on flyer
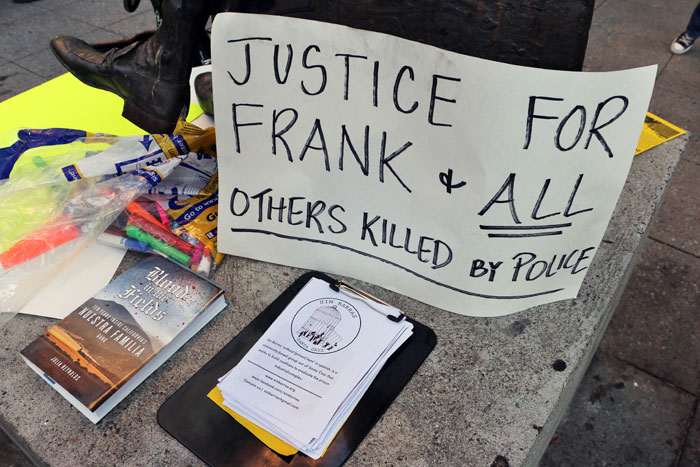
(326, 325)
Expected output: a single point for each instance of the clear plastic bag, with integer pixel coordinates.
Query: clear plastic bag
(64, 188)
(181, 211)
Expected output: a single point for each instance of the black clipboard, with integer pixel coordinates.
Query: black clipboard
(217, 439)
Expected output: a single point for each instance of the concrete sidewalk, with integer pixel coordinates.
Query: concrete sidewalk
(638, 403)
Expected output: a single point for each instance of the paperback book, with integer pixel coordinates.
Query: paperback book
(106, 347)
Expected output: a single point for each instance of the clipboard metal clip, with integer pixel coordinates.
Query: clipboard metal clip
(375, 303)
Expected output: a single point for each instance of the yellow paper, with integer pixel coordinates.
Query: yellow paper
(65, 102)
(269, 440)
(656, 131)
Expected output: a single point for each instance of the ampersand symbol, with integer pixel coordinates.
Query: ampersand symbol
(446, 179)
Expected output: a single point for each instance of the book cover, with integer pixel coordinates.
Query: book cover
(96, 349)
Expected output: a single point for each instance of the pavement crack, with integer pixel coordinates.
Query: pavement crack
(649, 373)
(664, 67)
(684, 439)
(600, 4)
(674, 247)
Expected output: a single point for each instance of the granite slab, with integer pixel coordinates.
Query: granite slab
(492, 391)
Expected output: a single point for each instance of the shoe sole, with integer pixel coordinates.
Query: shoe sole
(681, 52)
(686, 50)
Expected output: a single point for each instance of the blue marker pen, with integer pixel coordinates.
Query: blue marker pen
(123, 242)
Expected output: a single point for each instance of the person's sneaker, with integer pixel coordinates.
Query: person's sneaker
(682, 44)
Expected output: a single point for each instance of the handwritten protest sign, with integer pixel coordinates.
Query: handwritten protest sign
(478, 187)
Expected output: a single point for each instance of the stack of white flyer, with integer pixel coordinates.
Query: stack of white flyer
(307, 372)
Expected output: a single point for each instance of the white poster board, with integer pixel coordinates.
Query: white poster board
(474, 186)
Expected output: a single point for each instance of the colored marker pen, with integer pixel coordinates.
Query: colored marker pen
(160, 246)
(161, 234)
(197, 256)
(123, 242)
(135, 208)
(162, 214)
(61, 230)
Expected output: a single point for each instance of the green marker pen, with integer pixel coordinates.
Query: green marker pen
(170, 251)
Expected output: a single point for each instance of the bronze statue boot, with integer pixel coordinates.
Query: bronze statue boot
(152, 76)
(152, 99)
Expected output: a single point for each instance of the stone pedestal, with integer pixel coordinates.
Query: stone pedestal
(493, 389)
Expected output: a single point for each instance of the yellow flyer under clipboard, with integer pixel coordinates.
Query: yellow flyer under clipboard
(655, 131)
(269, 440)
